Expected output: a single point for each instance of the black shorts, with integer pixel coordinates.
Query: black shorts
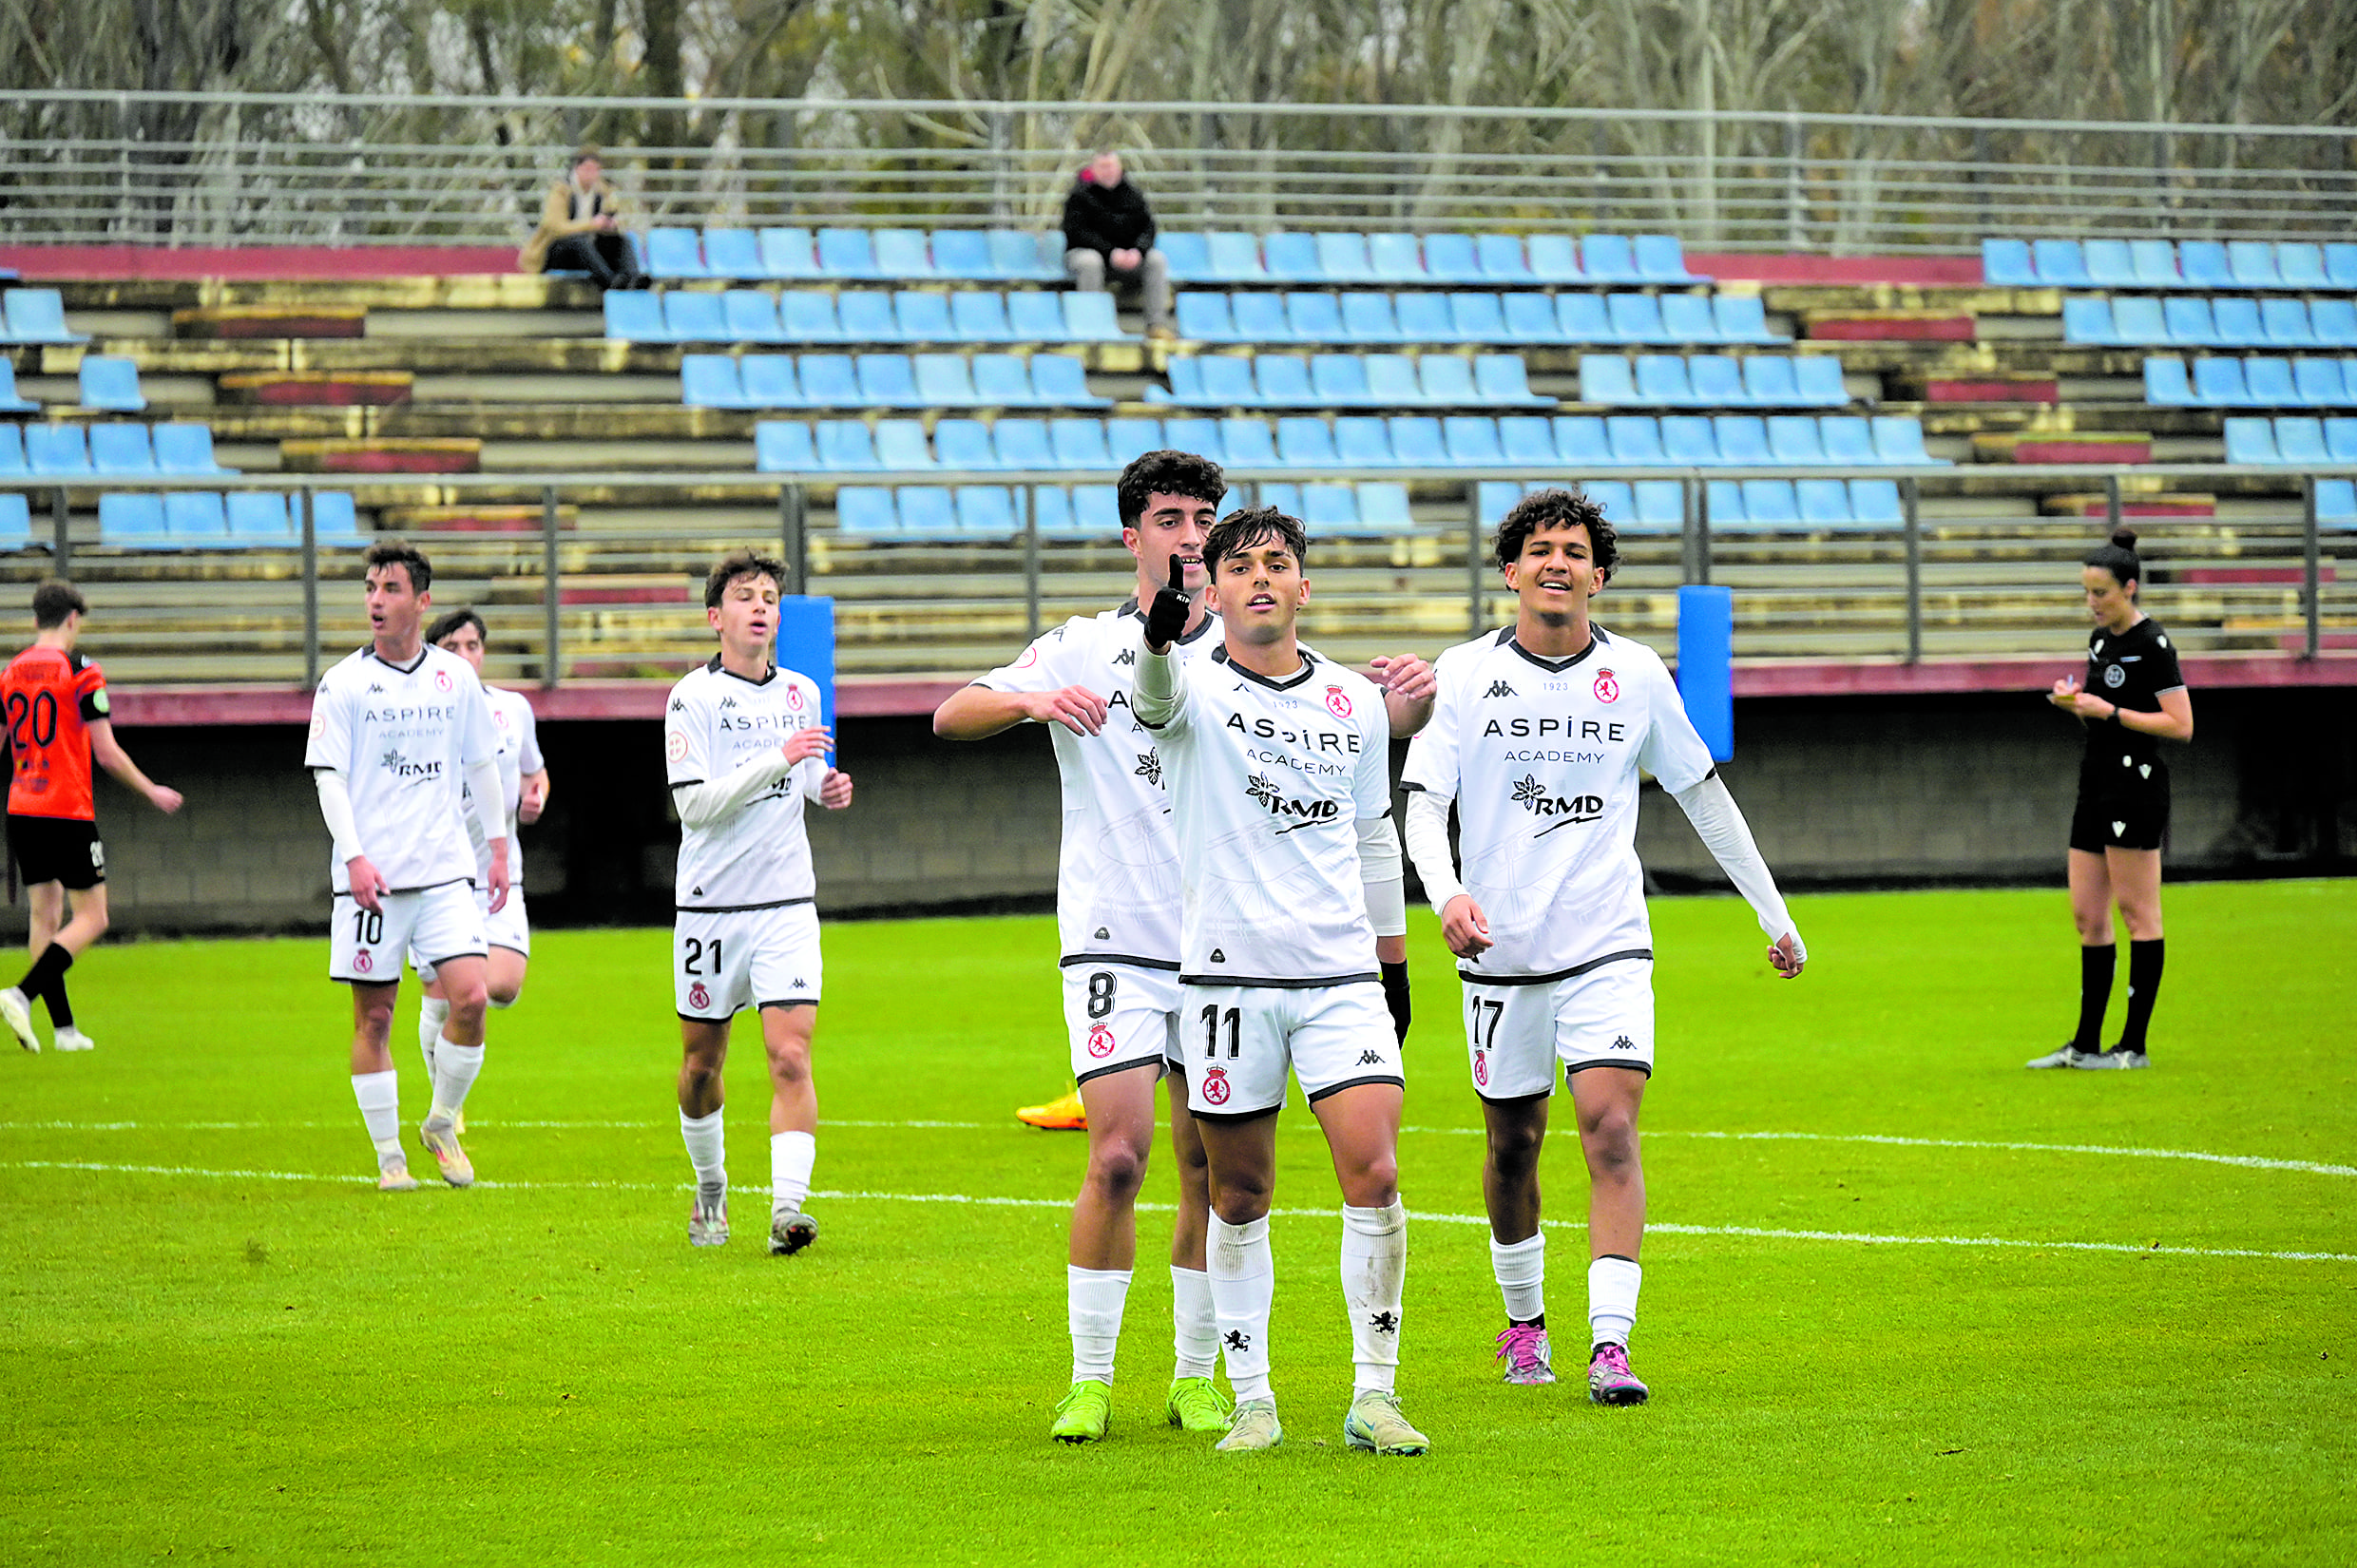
(2121, 819)
(57, 849)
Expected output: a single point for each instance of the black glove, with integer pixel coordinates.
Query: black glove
(1166, 618)
(1395, 997)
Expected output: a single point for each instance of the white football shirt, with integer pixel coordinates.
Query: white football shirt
(1269, 780)
(1116, 878)
(1542, 757)
(403, 739)
(716, 723)
(519, 755)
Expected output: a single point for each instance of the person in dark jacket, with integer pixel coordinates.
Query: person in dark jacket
(1109, 232)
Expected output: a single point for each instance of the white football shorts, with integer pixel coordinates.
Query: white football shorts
(1516, 1034)
(1236, 1042)
(723, 960)
(505, 927)
(435, 923)
(1120, 1017)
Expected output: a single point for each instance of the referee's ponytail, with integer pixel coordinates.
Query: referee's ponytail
(2119, 556)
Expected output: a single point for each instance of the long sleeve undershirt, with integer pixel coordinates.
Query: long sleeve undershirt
(717, 799)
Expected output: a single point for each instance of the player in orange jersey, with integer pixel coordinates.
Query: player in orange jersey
(54, 702)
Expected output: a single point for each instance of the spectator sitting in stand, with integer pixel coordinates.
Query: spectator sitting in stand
(1108, 228)
(580, 229)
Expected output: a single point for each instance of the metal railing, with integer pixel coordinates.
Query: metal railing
(607, 584)
(274, 169)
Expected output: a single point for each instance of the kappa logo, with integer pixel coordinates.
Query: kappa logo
(1127, 656)
(1384, 1323)
(377, 688)
(1264, 793)
(727, 703)
(1099, 1042)
(1218, 957)
(678, 705)
(1370, 1059)
(1498, 688)
(1237, 1340)
(799, 985)
(1623, 1042)
(1337, 702)
(1216, 1088)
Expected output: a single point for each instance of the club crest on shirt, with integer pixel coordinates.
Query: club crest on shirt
(1216, 1088)
(1337, 702)
(1099, 1042)
(698, 996)
(675, 746)
(441, 681)
(361, 962)
(793, 698)
(1608, 686)
(1481, 1068)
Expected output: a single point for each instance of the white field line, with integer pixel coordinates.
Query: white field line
(1756, 1231)
(2252, 1162)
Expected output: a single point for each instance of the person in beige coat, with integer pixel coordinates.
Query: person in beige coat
(580, 229)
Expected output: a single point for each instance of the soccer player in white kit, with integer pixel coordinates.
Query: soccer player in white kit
(401, 738)
(524, 794)
(1537, 738)
(1116, 904)
(746, 750)
(1278, 766)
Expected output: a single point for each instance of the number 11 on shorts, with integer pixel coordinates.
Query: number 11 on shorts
(1212, 1019)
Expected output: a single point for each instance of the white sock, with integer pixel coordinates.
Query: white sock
(706, 1148)
(379, 1096)
(1093, 1301)
(1374, 1274)
(1521, 1267)
(1196, 1326)
(1612, 1298)
(455, 1070)
(1244, 1282)
(790, 1156)
(432, 1014)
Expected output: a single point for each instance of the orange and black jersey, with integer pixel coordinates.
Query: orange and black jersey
(50, 698)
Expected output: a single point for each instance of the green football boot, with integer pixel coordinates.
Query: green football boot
(1082, 1414)
(1197, 1405)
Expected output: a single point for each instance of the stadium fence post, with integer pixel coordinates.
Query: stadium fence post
(1030, 564)
(1472, 558)
(310, 585)
(1910, 495)
(1796, 208)
(2311, 570)
(794, 537)
(1698, 536)
(2110, 505)
(552, 662)
(61, 553)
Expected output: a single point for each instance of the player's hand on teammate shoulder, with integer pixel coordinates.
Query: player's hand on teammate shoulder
(805, 743)
(1166, 618)
(1788, 955)
(834, 790)
(1464, 928)
(1075, 708)
(1405, 675)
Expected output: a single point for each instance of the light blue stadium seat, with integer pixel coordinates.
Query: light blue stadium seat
(2341, 265)
(1496, 497)
(867, 315)
(196, 518)
(2340, 440)
(1875, 502)
(1036, 316)
(1228, 381)
(978, 316)
(1199, 437)
(2166, 385)
(927, 511)
(1820, 381)
(1339, 380)
(1236, 258)
(1059, 380)
(1203, 317)
(1303, 442)
(1501, 259)
(2301, 266)
(1249, 443)
(1527, 440)
(2109, 263)
(1367, 317)
(1130, 439)
(1185, 253)
(2252, 263)
(1849, 442)
(2188, 321)
(2204, 264)
(1635, 318)
(1451, 259)
(788, 255)
(1472, 440)
(1724, 499)
(1823, 503)
(2284, 324)
(1383, 506)
(2087, 318)
(121, 451)
(770, 381)
(1604, 380)
(1416, 441)
(847, 253)
(2334, 321)
(38, 315)
(1291, 258)
(1769, 504)
(900, 446)
(1362, 441)
(1580, 441)
(805, 316)
(1635, 440)
(964, 444)
(1080, 443)
(1716, 381)
(1899, 438)
(2320, 384)
(1662, 259)
(1609, 259)
(1688, 319)
(1005, 380)
(903, 253)
(2155, 263)
(1283, 494)
(2060, 263)
(829, 381)
(109, 384)
(1328, 508)
(695, 318)
(988, 511)
(1662, 382)
(1392, 382)
(1260, 318)
(732, 254)
(1531, 318)
(1316, 319)
(257, 518)
(923, 317)
(1660, 506)
(1447, 381)
(1614, 497)
(1024, 444)
(2005, 263)
(1399, 258)
(2336, 500)
(1743, 318)
(1051, 511)
(2137, 319)
(710, 381)
(845, 445)
(783, 446)
(1097, 511)
(1584, 318)
(1769, 382)
(2251, 440)
(334, 519)
(1793, 440)
(2269, 382)
(751, 317)
(1742, 439)
(944, 381)
(131, 521)
(635, 316)
(962, 255)
(1343, 259)
(1554, 258)
(866, 511)
(1478, 318)
(1021, 257)
(2301, 440)
(1425, 318)
(1688, 438)
(674, 253)
(2239, 323)
(2219, 383)
(10, 401)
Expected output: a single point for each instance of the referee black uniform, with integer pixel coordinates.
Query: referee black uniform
(2124, 784)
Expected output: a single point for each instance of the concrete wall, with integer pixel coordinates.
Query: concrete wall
(1838, 790)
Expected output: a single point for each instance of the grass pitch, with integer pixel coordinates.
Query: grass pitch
(219, 1340)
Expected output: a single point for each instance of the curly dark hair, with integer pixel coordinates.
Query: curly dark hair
(1240, 531)
(393, 552)
(1558, 508)
(1168, 472)
(736, 563)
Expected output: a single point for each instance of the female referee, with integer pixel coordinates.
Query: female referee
(2132, 699)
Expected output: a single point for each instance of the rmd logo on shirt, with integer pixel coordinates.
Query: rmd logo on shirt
(1294, 813)
(1535, 798)
(401, 767)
